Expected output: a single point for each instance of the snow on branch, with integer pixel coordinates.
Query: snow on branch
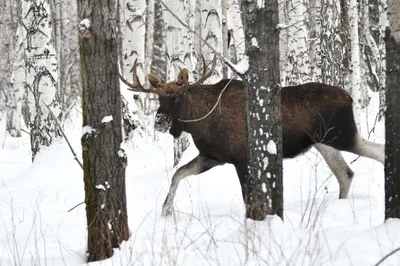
(242, 66)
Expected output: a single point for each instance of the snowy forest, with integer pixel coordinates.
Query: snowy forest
(199, 132)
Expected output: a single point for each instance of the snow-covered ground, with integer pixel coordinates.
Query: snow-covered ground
(208, 227)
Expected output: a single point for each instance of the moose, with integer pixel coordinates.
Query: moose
(313, 115)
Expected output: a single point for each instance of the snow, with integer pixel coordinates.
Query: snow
(242, 66)
(265, 162)
(271, 147)
(107, 119)
(264, 187)
(85, 23)
(254, 42)
(87, 130)
(208, 228)
(100, 186)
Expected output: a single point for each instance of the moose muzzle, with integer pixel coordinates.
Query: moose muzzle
(162, 122)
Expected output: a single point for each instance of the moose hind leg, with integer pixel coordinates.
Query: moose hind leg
(368, 149)
(196, 166)
(338, 166)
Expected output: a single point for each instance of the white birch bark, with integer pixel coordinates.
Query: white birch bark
(133, 35)
(41, 73)
(294, 40)
(355, 61)
(11, 61)
(236, 43)
(179, 45)
(17, 86)
(211, 32)
(65, 19)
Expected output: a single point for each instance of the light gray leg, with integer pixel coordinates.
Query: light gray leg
(338, 166)
(369, 149)
(198, 165)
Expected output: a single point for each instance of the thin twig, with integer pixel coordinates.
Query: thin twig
(65, 137)
(387, 256)
(77, 205)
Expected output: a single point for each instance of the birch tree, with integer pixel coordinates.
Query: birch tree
(104, 161)
(179, 45)
(264, 132)
(17, 86)
(294, 42)
(211, 31)
(9, 14)
(133, 33)
(356, 91)
(41, 73)
(235, 42)
(159, 62)
(392, 121)
(65, 19)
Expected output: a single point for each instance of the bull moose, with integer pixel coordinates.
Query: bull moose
(313, 115)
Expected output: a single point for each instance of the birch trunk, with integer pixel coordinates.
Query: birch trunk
(17, 86)
(12, 66)
(356, 91)
(295, 61)
(9, 13)
(41, 73)
(236, 43)
(133, 35)
(179, 54)
(211, 32)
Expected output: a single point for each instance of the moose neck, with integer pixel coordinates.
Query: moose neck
(196, 111)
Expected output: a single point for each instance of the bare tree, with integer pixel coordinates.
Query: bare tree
(40, 88)
(10, 14)
(392, 162)
(104, 161)
(264, 132)
(178, 53)
(65, 19)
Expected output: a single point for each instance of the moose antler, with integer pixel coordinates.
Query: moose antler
(172, 88)
(206, 74)
(137, 86)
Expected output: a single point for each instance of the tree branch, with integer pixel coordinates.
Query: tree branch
(387, 256)
(65, 137)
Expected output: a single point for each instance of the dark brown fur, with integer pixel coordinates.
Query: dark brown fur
(311, 113)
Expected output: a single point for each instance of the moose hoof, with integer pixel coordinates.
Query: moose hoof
(167, 210)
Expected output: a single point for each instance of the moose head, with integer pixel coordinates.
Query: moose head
(170, 94)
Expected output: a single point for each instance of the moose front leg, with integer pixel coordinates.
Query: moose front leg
(196, 166)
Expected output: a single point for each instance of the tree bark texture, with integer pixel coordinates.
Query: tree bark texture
(103, 160)
(41, 74)
(264, 132)
(392, 145)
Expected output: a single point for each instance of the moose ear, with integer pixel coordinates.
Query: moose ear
(155, 80)
(183, 76)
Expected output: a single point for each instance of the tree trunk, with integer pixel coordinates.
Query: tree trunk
(133, 33)
(392, 162)
(17, 86)
(9, 13)
(41, 74)
(264, 195)
(178, 39)
(104, 161)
